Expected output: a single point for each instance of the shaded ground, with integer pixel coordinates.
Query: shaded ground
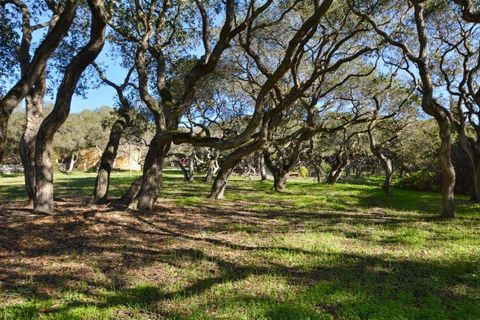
(313, 252)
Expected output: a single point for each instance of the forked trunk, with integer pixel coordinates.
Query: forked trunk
(102, 183)
(36, 67)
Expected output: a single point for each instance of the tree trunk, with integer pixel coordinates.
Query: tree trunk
(336, 171)
(347, 172)
(469, 146)
(102, 183)
(132, 191)
(35, 69)
(358, 171)
(43, 202)
(448, 171)
(385, 162)
(191, 164)
(186, 176)
(152, 174)
(318, 174)
(228, 164)
(71, 163)
(34, 117)
(220, 183)
(212, 166)
(261, 167)
(387, 184)
(280, 181)
(401, 172)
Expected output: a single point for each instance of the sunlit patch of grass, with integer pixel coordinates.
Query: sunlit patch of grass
(314, 251)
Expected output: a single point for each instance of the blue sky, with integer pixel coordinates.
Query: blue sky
(103, 95)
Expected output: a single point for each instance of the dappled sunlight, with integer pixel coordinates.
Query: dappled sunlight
(310, 252)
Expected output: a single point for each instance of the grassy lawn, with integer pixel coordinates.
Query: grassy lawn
(312, 252)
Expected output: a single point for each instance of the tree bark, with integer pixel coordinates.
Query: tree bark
(387, 184)
(191, 163)
(71, 163)
(34, 117)
(280, 181)
(132, 191)
(186, 176)
(102, 183)
(385, 162)
(261, 167)
(472, 148)
(43, 202)
(336, 171)
(228, 165)
(149, 190)
(35, 69)
(212, 166)
(448, 171)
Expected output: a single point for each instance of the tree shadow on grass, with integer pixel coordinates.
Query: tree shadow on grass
(92, 250)
(349, 286)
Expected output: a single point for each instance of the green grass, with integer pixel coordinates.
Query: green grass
(312, 252)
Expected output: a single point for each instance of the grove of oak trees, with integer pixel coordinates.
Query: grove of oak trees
(245, 83)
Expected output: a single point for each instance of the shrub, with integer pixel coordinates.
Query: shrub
(303, 172)
(420, 181)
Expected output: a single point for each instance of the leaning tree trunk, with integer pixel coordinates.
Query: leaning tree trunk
(220, 183)
(34, 117)
(102, 183)
(132, 191)
(186, 176)
(228, 165)
(336, 171)
(152, 174)
(43, 202)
